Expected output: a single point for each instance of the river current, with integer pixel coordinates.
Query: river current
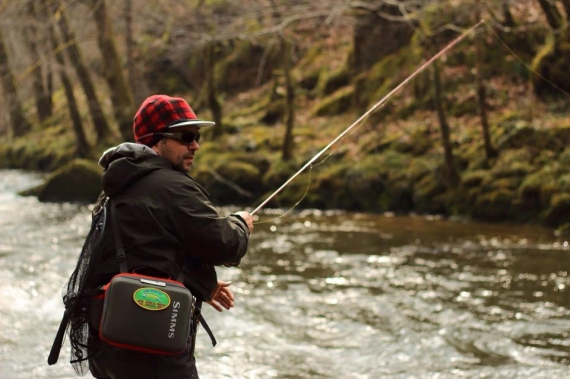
(323, 295)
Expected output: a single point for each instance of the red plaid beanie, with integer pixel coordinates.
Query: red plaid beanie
(159, 113)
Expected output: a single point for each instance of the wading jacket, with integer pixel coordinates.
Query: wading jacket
(166, 222)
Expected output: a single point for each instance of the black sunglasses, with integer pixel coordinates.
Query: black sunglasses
(184, 137)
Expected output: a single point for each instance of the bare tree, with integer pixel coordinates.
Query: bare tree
(135, 80)
(553, 16)
(42, 92)
(83, 148)
(551, 62)
(18, 122)
(508, 19)
(451, 175)
(490, 151)
(287, 150)
(212, 97)
(121, 98)
(100, 124)
(566, 6)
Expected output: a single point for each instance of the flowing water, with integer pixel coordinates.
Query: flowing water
(323, 295)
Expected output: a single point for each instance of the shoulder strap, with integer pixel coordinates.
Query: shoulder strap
(119, 249)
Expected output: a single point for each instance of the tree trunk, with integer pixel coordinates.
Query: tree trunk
(551, 63)
(451, 175)
(287, 152)
(102, 128)
(508, 19)
(566, 6)
(553, 17)
(42, 95)
(18, 123)
(135, 80)
(490, 152)
(121, 98)
(374, 36)
(213, 102)
(83, 149)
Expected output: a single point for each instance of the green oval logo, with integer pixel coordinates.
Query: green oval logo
(151, 299)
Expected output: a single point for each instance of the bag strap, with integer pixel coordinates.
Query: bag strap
(122, 260)
(120, 249)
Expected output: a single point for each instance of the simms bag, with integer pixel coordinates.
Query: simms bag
(145, 313)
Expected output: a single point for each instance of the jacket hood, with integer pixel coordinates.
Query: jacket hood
(126, 163)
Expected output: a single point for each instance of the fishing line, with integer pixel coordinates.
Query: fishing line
(312, 166)
(372, 109)
(528, 67)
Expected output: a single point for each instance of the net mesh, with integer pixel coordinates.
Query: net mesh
(76, 295)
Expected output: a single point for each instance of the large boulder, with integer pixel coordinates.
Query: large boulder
(77, 181)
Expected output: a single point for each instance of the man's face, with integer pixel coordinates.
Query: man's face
(179, 154)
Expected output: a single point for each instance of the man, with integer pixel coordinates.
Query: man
(167, 224)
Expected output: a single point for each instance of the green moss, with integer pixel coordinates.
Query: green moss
(426, 196)
(245, 64)
(468, 106)
(551, 62)
(339, 102)
(334, 81)
(477, 178)
(494, 206)
(373, 85)
(559, 211)
(309, 80)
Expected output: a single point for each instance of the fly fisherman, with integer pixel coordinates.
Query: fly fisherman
(167, 223)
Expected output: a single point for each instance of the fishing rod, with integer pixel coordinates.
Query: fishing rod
(380, 103)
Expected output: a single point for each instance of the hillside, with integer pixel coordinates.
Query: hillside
(396, 160)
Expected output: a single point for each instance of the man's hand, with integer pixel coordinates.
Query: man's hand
(247, 218)
(222, 296)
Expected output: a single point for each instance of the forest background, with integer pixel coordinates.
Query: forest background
(481, 133)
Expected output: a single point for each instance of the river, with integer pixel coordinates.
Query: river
(323, 295)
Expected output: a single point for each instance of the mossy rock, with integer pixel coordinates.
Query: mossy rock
(563, 230)
(539, 187)
(466, 107)
(274, 112)
(78, 181)
(494, 205)
(335, 81)
(278, 173)
(427, 195)
(338, 103)
(523, 135)
(309, 81)
(520, 135)
(388, 179)
(245, 64)
(417, 143)
(551, 63)
(476, 178)
(230, 182)
(559, 211)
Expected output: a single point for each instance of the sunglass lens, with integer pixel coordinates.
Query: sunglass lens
(189, 137)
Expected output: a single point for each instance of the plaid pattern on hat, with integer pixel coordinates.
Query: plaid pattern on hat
(159, 113)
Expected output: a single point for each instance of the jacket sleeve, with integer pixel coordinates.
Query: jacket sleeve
(208, 237)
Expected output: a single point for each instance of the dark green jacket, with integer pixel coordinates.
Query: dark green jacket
(166, 222)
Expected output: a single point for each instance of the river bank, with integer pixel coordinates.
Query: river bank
(399, 170)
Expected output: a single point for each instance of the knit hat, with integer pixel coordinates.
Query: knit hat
(159, 113)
